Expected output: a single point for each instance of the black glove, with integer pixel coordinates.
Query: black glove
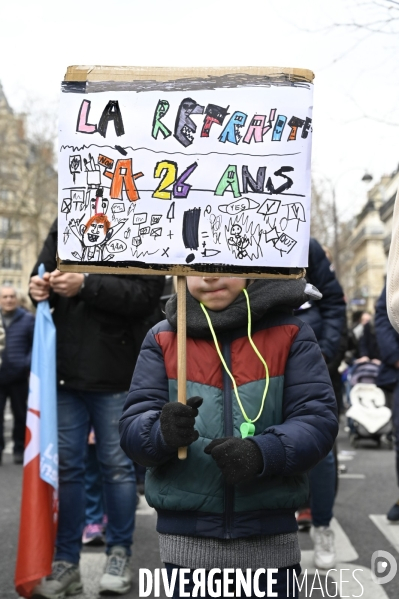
(177, 422)
(240, 460)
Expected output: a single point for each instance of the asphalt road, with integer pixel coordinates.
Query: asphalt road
(366, 491)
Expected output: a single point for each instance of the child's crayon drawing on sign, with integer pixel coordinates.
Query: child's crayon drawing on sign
(206, 175)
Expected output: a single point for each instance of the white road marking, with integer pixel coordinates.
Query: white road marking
(143, 509)
(345, 458)
(345, 550)
(360, 476)
(390, 530)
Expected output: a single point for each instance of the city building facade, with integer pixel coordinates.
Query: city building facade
(369, 244)
(28, 196)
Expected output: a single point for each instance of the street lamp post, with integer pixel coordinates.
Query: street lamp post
(337, 265)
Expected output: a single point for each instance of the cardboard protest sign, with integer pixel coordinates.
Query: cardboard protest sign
(182, 171)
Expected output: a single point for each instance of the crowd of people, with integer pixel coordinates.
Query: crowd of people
(268, 370)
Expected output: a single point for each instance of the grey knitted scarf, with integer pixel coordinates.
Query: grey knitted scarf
(264, 295)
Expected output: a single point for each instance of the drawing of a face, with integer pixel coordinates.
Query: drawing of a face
(185, 126)
(239, 122)
(93, 234)
(96, 230)
(75, 164)
(236, 230)
(214, 114)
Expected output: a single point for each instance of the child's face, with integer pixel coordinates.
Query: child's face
(216, 293)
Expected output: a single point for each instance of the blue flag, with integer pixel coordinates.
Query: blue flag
(43, 389)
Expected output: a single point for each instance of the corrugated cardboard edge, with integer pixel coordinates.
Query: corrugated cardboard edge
(109, 73)
(176, 270)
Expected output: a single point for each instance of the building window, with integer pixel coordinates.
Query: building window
(10, 228)
(11, 259)
(5, 224)
(6, 259)
(6, 195)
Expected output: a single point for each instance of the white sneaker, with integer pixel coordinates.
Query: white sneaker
(117, 577)
(325, 556)
(64, 580)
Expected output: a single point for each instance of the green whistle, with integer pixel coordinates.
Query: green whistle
(247, 429)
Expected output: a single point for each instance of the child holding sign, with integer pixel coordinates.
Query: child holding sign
(261, 413)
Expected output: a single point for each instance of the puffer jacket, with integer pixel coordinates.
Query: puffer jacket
(296, 429)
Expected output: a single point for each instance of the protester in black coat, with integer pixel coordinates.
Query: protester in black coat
(388, 376)
(100, 322)
(100, 329)
(326, 316)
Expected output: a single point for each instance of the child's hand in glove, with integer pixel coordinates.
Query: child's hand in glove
(240, 460)
(177, 422)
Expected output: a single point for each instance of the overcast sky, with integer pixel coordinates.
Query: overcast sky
(357, 72)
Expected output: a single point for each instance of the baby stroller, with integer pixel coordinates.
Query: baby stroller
(368, 415)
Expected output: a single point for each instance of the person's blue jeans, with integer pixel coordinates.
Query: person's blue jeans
(280, 587)
(322, 490)
(94, 488)
(77, 410)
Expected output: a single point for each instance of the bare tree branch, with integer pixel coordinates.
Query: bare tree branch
(345, 53)
(388, 15)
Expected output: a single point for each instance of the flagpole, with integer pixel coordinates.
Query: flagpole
(181, 350)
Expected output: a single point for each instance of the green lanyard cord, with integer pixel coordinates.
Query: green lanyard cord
(225, 365)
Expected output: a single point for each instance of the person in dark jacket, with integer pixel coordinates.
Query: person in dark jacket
(327, 318)
(388, 376)
(327, 315)
(15, 366)
(368, 346)
(268, 414)
(100, 322)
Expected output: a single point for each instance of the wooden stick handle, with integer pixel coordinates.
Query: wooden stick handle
(181, 351)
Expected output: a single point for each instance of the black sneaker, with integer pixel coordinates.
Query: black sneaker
(18, 457)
